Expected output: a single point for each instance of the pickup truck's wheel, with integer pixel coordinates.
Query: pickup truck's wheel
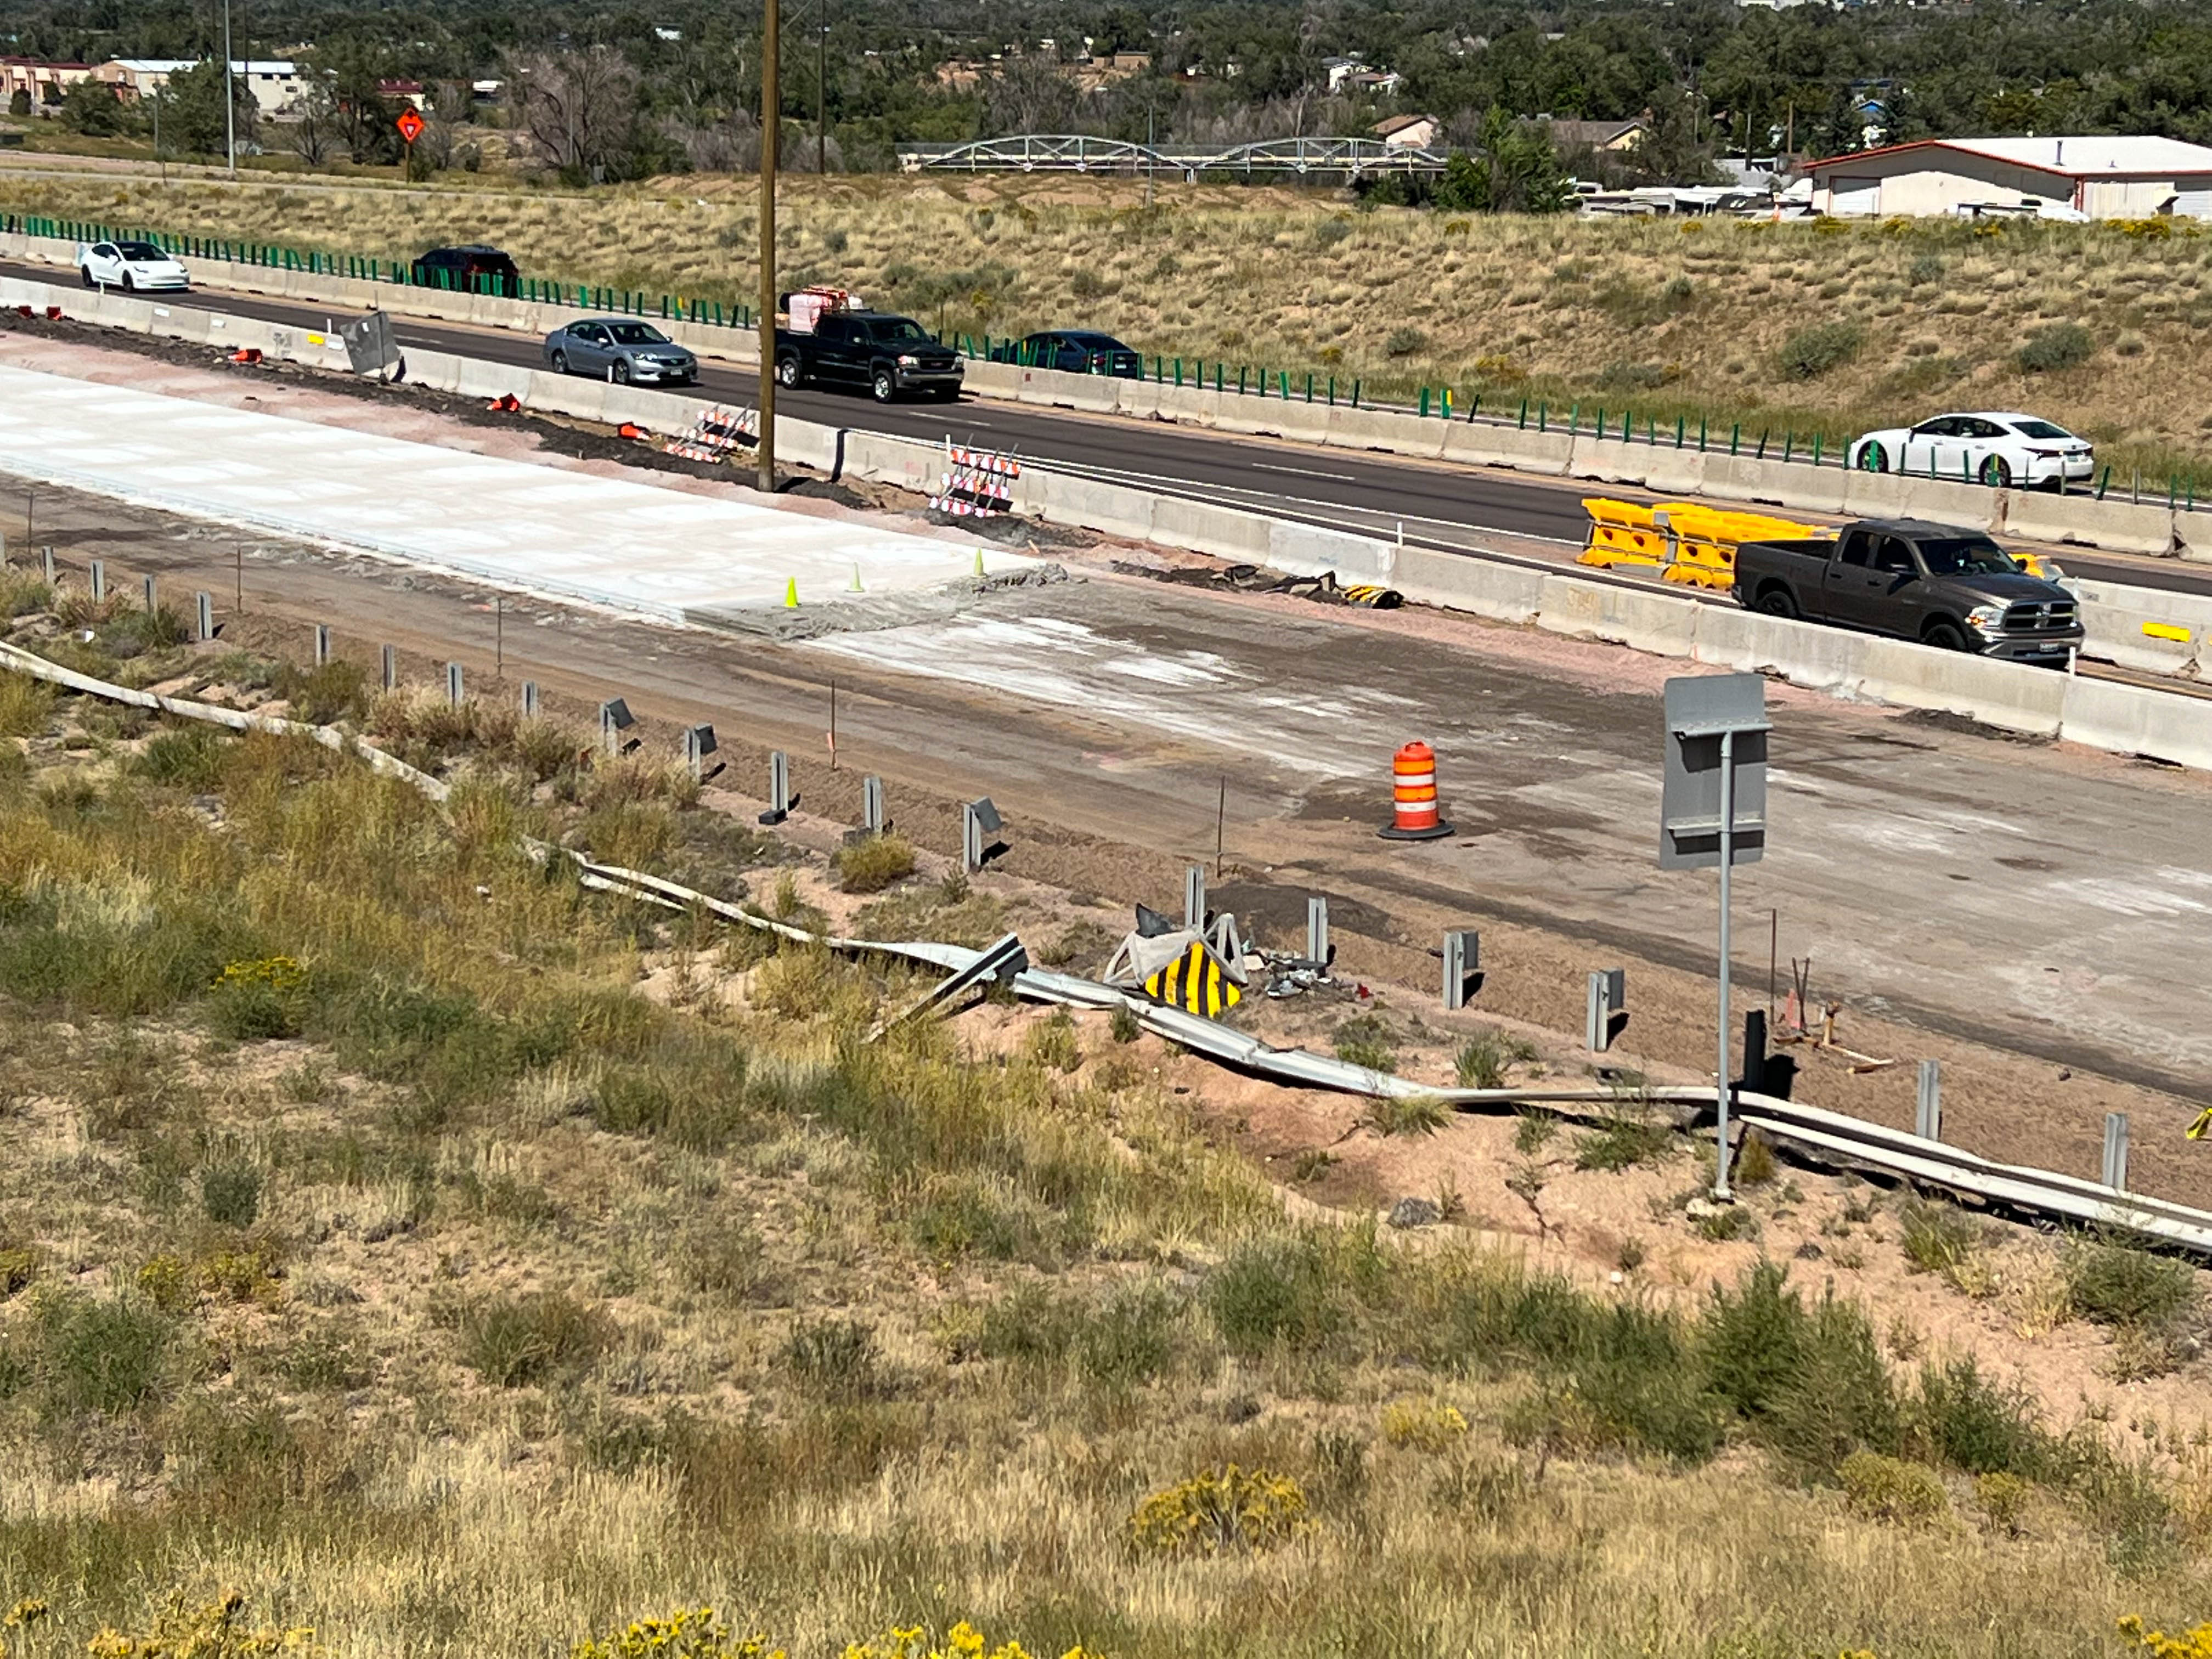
(1945, 636)
(881, 387)
(1776, 602)
(1995, 474)
(560, 362)
(786, 373)
(1873, 459)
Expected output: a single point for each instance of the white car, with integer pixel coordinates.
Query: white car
(134, 267)
(1999, 448)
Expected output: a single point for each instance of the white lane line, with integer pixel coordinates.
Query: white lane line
(1304, 472)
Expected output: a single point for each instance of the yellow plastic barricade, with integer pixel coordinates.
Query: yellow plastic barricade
(1622, 532)
(1703, 540)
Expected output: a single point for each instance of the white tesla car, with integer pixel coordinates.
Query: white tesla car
(1997, 448)
(134, 267)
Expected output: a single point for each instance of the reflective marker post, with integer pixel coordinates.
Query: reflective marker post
(1713, 813)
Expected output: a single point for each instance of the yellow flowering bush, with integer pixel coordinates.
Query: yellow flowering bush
(1222, 1509)
(277, 973)
(213, 1630)
(963, 1641)
(25, 1615)
(258, 999)
(687, 1633)
(1426, 1425)
(2195, 1644)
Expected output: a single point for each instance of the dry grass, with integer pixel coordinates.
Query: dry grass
(1660, 317)
(501, 1306)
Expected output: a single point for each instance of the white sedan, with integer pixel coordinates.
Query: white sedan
(1999, 448)
(134, 267)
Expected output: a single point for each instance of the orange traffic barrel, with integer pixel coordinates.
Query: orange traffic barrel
(1413, 796)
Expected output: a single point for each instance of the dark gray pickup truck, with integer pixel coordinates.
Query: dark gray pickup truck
(884, 354)
(1953, 588)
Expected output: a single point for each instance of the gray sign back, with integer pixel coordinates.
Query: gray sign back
(1699, 708)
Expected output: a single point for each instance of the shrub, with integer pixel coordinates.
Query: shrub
(1935, 1237)
(2114, 1283)
(2195, 1643)
(189, 759)
(1131, 1338)
(687, 1633)
(1752, 1337)
(1889, 1489)
(1965, 1420)
(1485, 1058)
(513, 1341)
(1051, 1041)
(230, 1193)
(1927, 268)
(836, 1357)
(2004, 1499)
(213, 1630)
(26, 704)
(1268, 1291)
(1625, 1142)
(874, 862)
(1426, 1426)
(1123, 1024)
(1811, 352)
(1837, 1397)
(261, 1000)
(2055, 347)
(106, 1356)
(1364, 1040)
(1406, 1115)
(326, 694)
(1755, 1160)
(1404, 342)
(1221, 1510)
(20, 1266)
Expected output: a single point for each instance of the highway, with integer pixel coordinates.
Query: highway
(1437, 504)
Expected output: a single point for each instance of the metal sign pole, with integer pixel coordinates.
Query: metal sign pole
(1728, 859)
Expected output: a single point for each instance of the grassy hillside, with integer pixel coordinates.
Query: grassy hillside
(1820, 326)
(451, 1260)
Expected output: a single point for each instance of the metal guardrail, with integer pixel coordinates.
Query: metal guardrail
(1824, 1136)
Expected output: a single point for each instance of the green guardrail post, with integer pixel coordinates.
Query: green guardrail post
(1701, 435)
(1331, 391)
(1524, 414)
(2173, 490)
(1543, 413)
(1817, 436)
(1600, 419)
(1424, 400)
(2104, 483)
(1178, 371)
(1355, 392)
(1309, 385)
(1240, 380)
(1283, 385)
(1475, 409)
(1680, 431)
(1218, 374)
(1445, 401)
(1760, 455)
(1789, 444)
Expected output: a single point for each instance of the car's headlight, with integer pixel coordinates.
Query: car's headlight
(1987, 618)
(908, 360)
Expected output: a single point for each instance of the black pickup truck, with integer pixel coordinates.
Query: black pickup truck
(1953, 588)
(885, 354)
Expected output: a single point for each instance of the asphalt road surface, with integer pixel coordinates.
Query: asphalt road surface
(1438, 505)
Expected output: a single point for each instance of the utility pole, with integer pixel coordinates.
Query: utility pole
(160, 158)
(771, 111)
(229, 97)
(822, 95)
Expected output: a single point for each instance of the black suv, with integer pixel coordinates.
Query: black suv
(474, 269)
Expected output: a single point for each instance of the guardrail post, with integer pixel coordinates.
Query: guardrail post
(388, 665)
(1928, 1112)
(322, 644)
(1679, 420)
(452, 685)
(1425, 403)
(873, 818)
(1608, 996)
(530, 703)
(780, 798)
(152, 604)
(1543, 413)
(1462, 964)
(99, 577)
(1355, 393)
(980, 823)
(203, 617)
(1193, 897)
(1317, 947)
(615, 719)
(1444, 403)
(2116, 1150)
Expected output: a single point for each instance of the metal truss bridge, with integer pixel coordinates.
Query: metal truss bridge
(1035, 152)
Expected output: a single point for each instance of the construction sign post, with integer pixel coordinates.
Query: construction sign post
(410, 128)
(1712, 813)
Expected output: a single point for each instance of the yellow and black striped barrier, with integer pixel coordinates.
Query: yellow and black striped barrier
(1195, 982)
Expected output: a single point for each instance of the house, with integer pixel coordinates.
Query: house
(401, 92)
(42, 83)
(1407, 132)
(1615, 138)
(274, 82)
(1341, 71)
(2102, 177)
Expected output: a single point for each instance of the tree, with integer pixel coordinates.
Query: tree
(1516, 169)
(314, 135)
(579, 109)
(92, 109)
(191, 109)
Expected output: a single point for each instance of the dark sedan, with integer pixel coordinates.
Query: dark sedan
(1073, 351)
(620, 348)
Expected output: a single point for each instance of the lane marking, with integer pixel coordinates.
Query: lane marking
(1305, 473)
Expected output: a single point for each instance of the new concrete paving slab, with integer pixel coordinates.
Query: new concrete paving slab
(661, 552)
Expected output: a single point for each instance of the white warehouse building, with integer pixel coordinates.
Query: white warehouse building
(2102, 177)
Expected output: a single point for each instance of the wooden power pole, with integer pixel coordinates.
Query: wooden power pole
(771, 110)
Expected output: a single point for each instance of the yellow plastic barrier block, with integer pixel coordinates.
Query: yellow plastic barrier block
(2165, 631)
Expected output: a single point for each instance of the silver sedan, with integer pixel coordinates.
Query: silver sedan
(622, 349)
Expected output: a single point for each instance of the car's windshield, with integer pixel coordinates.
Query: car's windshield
(140, 251)
(1967, 555)
(898, 331)
(2039, 429)
(637, 334)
